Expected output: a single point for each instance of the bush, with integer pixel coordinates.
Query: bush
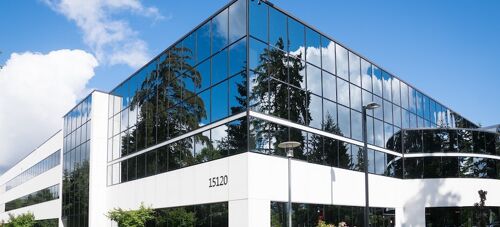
(22, 220)
(131, 218)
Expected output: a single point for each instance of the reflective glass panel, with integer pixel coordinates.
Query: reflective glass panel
(354, 69)
(296, 44)
(343, 92)
(314, 79)
(379, 132)
(204, 70)
(378, 112)
(387, 112)
(412, 95)
(330, 116)
(426, 108)
(342, 59)
(203, 42)
(396, 93)
(380, 162)
(397, 115)
(344, 121)
(366, 75)
(219, 67)
(220, 31)
(189, 46)
(237, 93)
(420, 105)
(259, 22)
(257, 55)
(328, 55)
(205, 112)
(404, 96)
(387, 89)
(315, 109)
(237, 57)
(377, 81)
(329, 86)
(367, 98)
(389, 132)
(313, 47)
(369, 128)
(237, 20)
(277, 29)
(356, 130)
(355, 97)
(220, 101)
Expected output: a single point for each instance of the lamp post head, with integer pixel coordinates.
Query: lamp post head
(371, 106)
(289, 145)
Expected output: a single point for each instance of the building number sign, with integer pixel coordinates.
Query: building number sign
(217, 181)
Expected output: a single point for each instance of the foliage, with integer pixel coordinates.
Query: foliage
(481, 216)
(131, 218)
(22, 220)
(324, 224)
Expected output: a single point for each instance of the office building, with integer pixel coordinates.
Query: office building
(195, 133)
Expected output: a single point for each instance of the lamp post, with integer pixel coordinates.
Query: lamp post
(288, 146)
(369, 106)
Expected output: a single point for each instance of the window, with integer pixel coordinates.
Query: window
(342, 60)
(313, 47)
(237, 20)
(314, 79)
(296, 38)
(328, 55)
(277, 29)
(220, 31)
(354, 69)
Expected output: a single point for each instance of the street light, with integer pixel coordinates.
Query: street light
(288, 146)
(369, 106)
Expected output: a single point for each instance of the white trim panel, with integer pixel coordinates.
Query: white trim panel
(451, 154)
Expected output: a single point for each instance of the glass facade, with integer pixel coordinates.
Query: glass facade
(218, 142)
(46, 164)
(446, 141)
(203, 215)
(319, 149)
(251, 56)
(298, 74)
(199, 80)
(76, 155)
(461, 216)
(310, 215)
(44, 195)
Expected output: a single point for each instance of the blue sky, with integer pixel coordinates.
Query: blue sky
(448, 49)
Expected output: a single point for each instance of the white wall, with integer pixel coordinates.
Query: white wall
(98, 159)
(46, 210)
(188, 186)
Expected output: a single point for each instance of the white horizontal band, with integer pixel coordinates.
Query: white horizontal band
(451, 154)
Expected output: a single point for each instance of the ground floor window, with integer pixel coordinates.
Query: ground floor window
(47, 223)
(310, 215)
(204, 215)
(461, 216)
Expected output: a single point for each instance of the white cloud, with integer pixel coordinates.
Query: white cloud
(36, 90)
(112, 40)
